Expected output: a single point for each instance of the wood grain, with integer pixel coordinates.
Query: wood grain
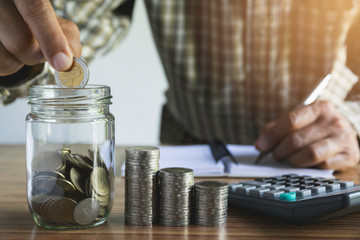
(17, 223)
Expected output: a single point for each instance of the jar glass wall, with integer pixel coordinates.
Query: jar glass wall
(70, 156)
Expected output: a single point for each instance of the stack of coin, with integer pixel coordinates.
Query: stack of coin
(141, 166)
(70, 188)
(175, 187)
(211, 203)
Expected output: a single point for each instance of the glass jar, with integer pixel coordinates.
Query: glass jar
(70, 156)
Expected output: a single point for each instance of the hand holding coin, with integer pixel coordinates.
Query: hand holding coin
(77, 76)
(33, 34)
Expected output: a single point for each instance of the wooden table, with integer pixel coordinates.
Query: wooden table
(17, 223)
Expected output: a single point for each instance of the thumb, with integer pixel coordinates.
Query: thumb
(42, 21)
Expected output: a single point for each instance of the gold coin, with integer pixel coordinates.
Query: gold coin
(50, 174)
(99, 185)
(78, 180)
(72, 77)
(76, 76)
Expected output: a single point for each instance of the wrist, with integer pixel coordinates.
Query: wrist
(23, 75)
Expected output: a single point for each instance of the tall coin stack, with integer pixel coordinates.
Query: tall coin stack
(141, 166)
(176, 194)
(211, 203)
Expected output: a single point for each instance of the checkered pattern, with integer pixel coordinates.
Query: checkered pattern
(234, 65)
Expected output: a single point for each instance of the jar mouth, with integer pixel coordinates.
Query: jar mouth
(53, 95)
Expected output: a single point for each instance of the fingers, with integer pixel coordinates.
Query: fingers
(9, 65)
(340, 162)
(35, 34)
(296, 140)
(72, 35)
(42, 21)
(315, 135)
(17, 38)
(316, 153)
(292, 121)
(347, 158)
(268, 126)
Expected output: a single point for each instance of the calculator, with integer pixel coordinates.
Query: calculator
(297, 199)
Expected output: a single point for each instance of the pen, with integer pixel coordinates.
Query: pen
(314, 95)
(220, 151)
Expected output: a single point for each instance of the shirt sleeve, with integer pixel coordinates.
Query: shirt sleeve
(344, 82)
(102, 25)
(344, 89)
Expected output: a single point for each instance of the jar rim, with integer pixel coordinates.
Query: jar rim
(52, 86)
(54, 95)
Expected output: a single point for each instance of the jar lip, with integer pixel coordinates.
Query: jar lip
(54, 95)
(88, 87)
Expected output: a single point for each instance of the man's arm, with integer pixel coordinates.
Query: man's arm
(101, 24)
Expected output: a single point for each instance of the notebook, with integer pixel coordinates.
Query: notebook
(200, 159)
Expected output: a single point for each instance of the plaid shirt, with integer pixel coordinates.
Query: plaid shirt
(234, 65)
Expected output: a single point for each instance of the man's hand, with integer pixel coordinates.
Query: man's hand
(31, 33)
(313, 135)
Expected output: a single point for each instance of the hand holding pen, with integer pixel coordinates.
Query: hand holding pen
(315, 134)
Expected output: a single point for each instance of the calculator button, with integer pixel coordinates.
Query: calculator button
(258, 192)
(332, 187)
(266, 180)
(306, 186)
(320, 179)
(278, 178)
(291, 175)
(303, 193)
(346, 184)
(289, 196)
(276, 187)
(318, 190)
(257, 184)
(292, 184)
(279, 182)
(272, 194)
(232, 187)
(307, 181)
(244, 189)
(290, 189)
(320, 183)
(294, 180)
(335, 181)
(305, 177)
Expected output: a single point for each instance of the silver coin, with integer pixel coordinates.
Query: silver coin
(48, 161)
(86, 211)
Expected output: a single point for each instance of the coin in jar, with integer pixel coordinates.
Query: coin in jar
(61, 210)
(77, 76)
(56, 186)
(48, 161)
(86, 211)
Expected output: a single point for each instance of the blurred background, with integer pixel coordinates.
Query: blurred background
(135, 75)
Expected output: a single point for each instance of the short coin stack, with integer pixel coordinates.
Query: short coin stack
(175, 186)
(141, 166)
(211, 203)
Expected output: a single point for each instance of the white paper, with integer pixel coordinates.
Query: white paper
(200, 159)
(196, 157)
